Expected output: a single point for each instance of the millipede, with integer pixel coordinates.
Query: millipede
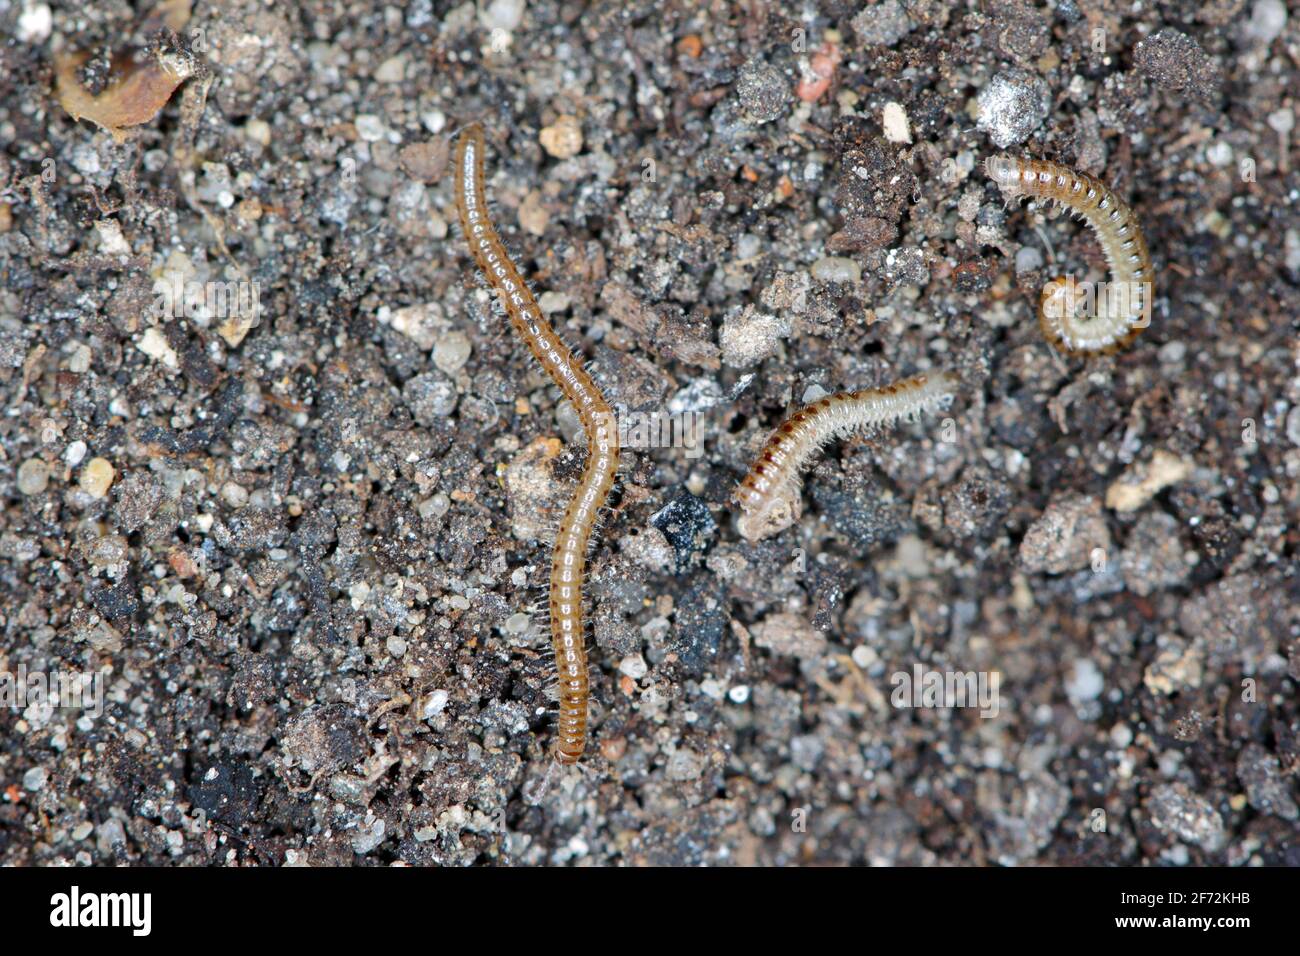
(768, 495)
(1126, 310)
(569, 556)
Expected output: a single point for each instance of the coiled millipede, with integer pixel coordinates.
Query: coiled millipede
(1125, 308)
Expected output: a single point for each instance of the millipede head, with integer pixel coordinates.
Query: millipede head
(763, 515)
(1005, 171)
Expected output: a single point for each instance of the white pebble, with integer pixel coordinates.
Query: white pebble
(436, 703)
(1219, 153)
(1085, 681)
(739, 694)
(154, 344)
(836, 269)
(34, 23)
(894, 121)
(1267, 20)
(370, 127)
(503, 15)
(451, 352)
(1028, 258)
(865, 657)
(634, 666)
(79, 360)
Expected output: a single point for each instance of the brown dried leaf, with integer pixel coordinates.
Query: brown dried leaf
(132, 99)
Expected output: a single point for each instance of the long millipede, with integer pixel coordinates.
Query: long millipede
(1126, 310)
(569, 557)
(768, 496)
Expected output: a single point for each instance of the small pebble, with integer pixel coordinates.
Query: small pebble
(763, 92)
(234, 495)
(563, 138)
(107, 550)
(259, 131)
(894, 121)
(392, 70)
(79, 360)
(1084, 682)
(1175, 62)
(1173, 353)
(33, 476)
(451, 352)
(1219, 153)
(34, 779)
(685, 765)
(1013, 104)
(503, 15)
(436, 703)
(96, 477)
(836, 269)
(883, 24)
(748, 337)
(812, 393)
(429, 396)
(435, 507)
(634, 666)
(154, 344)
(1293, 425)
(1028, 258)
(1267, 21)
(35, 22)
(1186, 815)
(1142, 481)
(1071, 528)
(370, 127)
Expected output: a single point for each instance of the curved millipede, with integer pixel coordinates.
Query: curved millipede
(768, 494)
(1126, 309)
(569, 558)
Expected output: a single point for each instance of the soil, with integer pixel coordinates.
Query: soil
(306, 553)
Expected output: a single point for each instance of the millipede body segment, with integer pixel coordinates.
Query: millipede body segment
(768, 495)
(568, 560)
(1125, 309)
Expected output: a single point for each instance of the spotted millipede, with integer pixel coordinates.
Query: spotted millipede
(569, 558)
(1117, 322)
(768, 495)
